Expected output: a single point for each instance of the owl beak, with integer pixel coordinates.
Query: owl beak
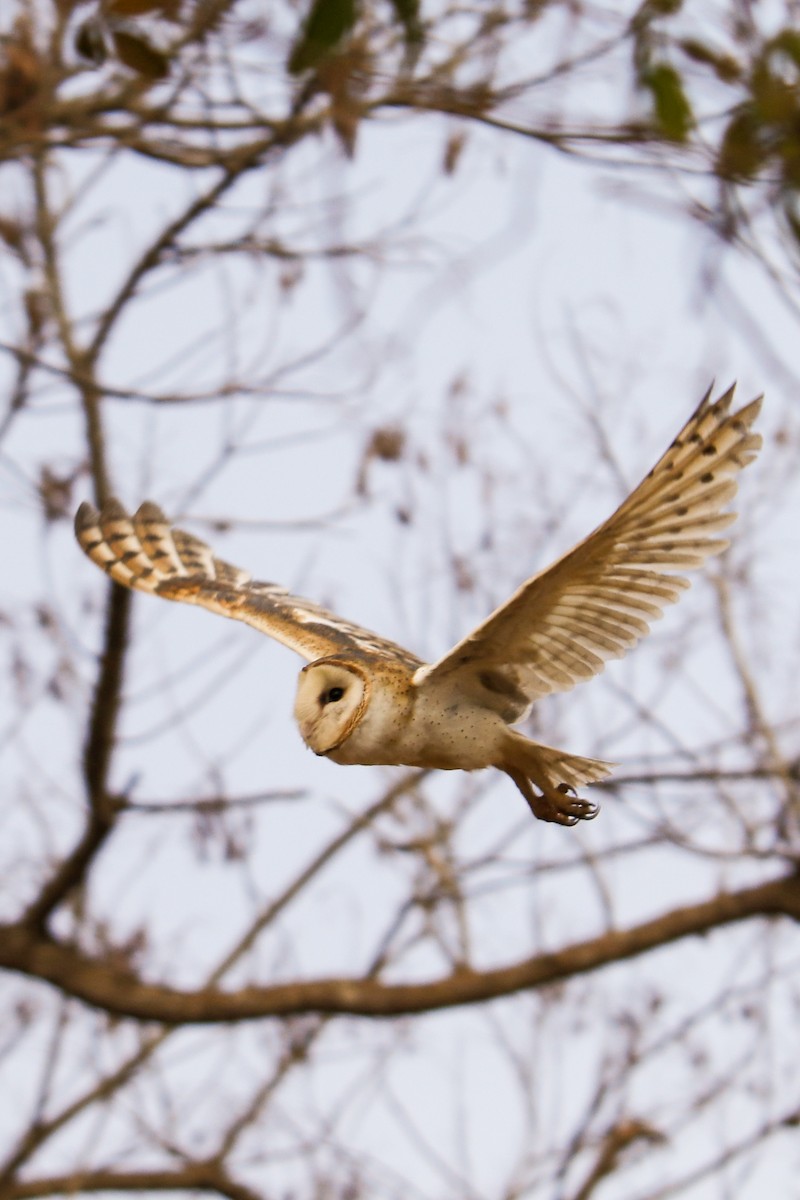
(335, 746)
(307, 733)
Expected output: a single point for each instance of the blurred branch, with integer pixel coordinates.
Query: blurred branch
(321, 860)
(617, 1141)
(122, 993)
(199, 1176)
(98, 748)
(42, 1129)
(212, 806)
(760, 727)
(96, 761)
(178, 200)
(733, 1153)
(238, 164)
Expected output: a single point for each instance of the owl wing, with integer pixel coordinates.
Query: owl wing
(144, 552)
(593, 604)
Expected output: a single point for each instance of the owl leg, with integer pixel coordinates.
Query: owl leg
(556, 776)
(558, 804)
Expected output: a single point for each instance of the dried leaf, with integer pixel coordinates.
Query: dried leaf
(90, 42)
(14, 236)
(463, 575)
(452, 152)
(135, 8)
(61, 683)
(344, 77)
(55, 493)
(46, 618)
(20, 76)
(290, 276)
(137, 54)
(387, 444)
(21, 675)
(38, 308)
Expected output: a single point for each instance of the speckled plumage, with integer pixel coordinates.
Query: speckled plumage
(363, 699)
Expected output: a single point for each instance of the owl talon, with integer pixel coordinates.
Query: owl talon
(582, 810)
(561, 806)
(569, 809)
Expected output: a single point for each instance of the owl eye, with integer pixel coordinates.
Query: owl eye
(334, 693)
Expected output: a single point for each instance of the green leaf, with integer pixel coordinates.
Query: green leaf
(326, 24)
(672, 109)
(650, 10)
(407, 13)
(774, 100)
(786, 42)
(742, 152)
(792, 219)
(788, 154)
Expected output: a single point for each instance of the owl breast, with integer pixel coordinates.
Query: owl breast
(422, 729)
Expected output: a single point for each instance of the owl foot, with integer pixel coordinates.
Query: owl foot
(560, 805)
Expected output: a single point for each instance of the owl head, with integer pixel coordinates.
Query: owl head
(332, 696)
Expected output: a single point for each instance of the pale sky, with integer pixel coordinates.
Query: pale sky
(563, 308)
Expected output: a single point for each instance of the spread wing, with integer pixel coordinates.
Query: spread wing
(144, 552)
(593, 604)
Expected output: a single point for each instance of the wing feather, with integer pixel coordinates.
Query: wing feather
(595, 603)
(146, 553)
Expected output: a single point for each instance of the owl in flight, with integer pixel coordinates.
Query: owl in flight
(362, 699)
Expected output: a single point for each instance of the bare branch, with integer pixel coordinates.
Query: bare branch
(96, 762)
(203, 1177)
(123, 994)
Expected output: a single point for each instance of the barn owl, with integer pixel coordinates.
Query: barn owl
(363, 699)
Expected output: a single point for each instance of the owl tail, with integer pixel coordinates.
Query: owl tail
(556, 774)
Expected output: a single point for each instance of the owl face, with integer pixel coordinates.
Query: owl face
(331, 700)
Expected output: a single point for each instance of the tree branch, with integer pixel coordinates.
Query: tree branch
(204, 1177)
(122, 993)
(96, 762)
(103, 716)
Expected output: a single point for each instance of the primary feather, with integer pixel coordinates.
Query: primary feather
(146, 553)
(596, 602)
